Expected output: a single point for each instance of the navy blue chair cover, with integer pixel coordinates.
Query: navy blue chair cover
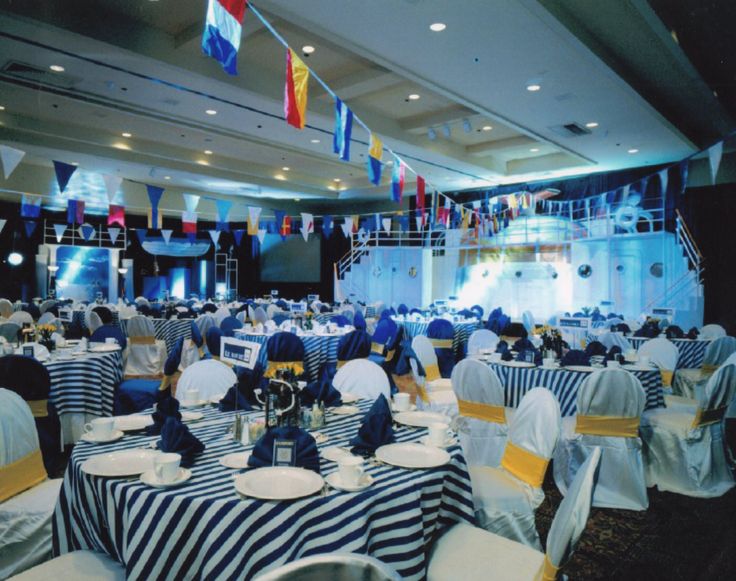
(384, 336)
(353, 345)
(107, 332)
(209, 308)
(229, 325)
(359, 321)
(415, 311)
(441, 332)
(213, 340)
(595, 348)
(307, 455)
(197, 335)
(282, 304)
(514, 330)
(284, 351)
(523, 344)
(403, 309)
(340, 320)
(105, 314)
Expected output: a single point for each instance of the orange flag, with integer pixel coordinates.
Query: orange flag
(295, 93)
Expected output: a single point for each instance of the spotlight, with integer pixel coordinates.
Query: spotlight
(122, 270)
(53, 268)
(432, 134)
(466, 126)
(15, 258)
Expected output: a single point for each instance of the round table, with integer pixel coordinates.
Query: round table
(462, 331)
(167, 330)
(691, 351)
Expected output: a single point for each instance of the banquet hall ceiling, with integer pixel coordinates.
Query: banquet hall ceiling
(137, 67)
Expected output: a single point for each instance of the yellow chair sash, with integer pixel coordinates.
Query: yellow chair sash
(625, 427)
(667, 376)
(21, 475)
(168, 381)
(296, 367)
(441, 343)
(377, 348)
(707, 417)
(390, 355)
(548, 571)
(482, 411)
(39, 407)
(142, 340)
(432, 372)
(524, 465)
(340, 363)
(710, 369)
(422, 393)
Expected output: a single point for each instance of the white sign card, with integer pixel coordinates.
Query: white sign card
(298, 308)
(666, 312)
(65, 315)
(311, 298)
(239, 352)
(574, 322)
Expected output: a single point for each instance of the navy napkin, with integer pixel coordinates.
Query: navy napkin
(674, 332)
(507, 355)
(321, 391)
(595, 348)
(234, 400)
(649, 330)
(575, 357)
(613, 353)
(620, 328)
(523, 345)
(376, 429)
(502, 346)
(176, 437)
(167, 407)
(307, 455)
(693, 333)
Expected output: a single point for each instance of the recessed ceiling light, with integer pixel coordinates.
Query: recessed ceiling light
(279, 177)
(487, 128)
(203, 162)
(297, 199)
(314, 140)
(208, 152)
(308, 49)
(343, 188)
(126, 134)
(533, 88)
(167, 177)
(414, 97)
(211, 112)
(57, 68)
(591, 125)
(75, 163)
(437, 26)
(332, 188)
(633, 150)
(121, 145)
(336, 180)
(2, 108)
(534, 149)
(285, 168)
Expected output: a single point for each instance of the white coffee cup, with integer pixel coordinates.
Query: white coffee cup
(612, 363)
(166, 467)
(644, 360)
(111, 341)
(438, 434)
(402, 402)
(350, 469)
(100, 428)
(191, 395)
(548, 362)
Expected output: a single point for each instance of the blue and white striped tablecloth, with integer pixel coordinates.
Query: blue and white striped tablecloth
(168, 330)
(462, 332)
(203, 529)
(318, 350)
(78, 318)
(565, 384)
(86, 384)
(692, 352)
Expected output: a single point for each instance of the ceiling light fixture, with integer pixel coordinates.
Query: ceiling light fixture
(437, 26)
(534, 149)
(211, 112)
(633, 150)
(2, 108)
(591, 125)
(167, 177)
(314, 141)
(121, 145)
(308, 49)
(57, 68)
(126, 134)
(332, 188)
(208, 152)
(203, 162)
(414, 97)
(53, 268)
(432, 134)
(285, 168)
(297, 199)
(487, 128)
(336, 180)
(122, 270)
(280, 177)
(533, 88)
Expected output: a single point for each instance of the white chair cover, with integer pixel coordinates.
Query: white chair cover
(438, 392)
(141, 302)
(662, 352)
(690, 382)
(504, 503)
(21, 317)
(711, 332)
(93, 321)
(527, 319)
(6, 308)
(621, 482)
(363, 378)
(482, 441)
(719, 350)
(9, 330)
(77, 566)
(481, 339)
(241, 316)
(211, 377)
(271, 310)
(609, 340)
(46, 305)
(683, 455)
(46, 319)
(146, 355)
(221, 314)
(260, 316)
(204, 322)
(26, 510)
(189, 354)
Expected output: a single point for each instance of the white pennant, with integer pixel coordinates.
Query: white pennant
(347, 227)
(387, 224)
(254, 213)
(191, 202)
(112, 183)
(10, 158)
(261, 235)
(166, 234)
(59, 230)
(663, 176)
(2, 224)
(625, 194)
(308, 222)
(419, 222)
(113, 233)
(715, 153)
(215, 235)
(305, 233)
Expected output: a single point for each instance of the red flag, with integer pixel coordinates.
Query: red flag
(116, 215)
(295, 92)
(286, 226)
(421, 190)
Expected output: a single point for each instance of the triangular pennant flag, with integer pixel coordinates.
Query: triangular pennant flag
(404, 223)
(215, 235)
(64, 173)
(222, 32)
(327, 226)
(86, 231)
(343, 129)
(189, 222)
(30, 206)
(254, 214)
(191, 202)
(715, 152)
(30, 227)
(222, 226)
(10, 158)
(166, 235)
(141, 234)
(261, 235)
(375, 153)
(59, 230)
(279, 216)
(112, 184)
(684, 170)
(308, 222)
(347, 227)
(295, 91)
(356, 222)
(238, 235)
(419, 219)
(223, 210)
(625, 192)
(2, 224)
(663, 175)
(116, 215)
(154, 216)
(113, 233)
(387, 225)
(75, 212)
(305, 233)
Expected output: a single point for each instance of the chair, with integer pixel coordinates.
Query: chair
(27, 496)
(33, 310)
(427, 356)
(689, 381)
(684, 449)
(527, 319)
(209, 376)
(146, 355)
(610, 340)
(109, 332)
(383, 337)
(229, 324)
(46, 305)
(79, 565)
(466, 552)
(353, 345)
(440, 333)
(21, 317)
(482, 339)
(9, 330)
(506, 497)
(710, 332)
(481, 425)
(6, 308)
(610, 403)
(192, 349)
(335, 566)
(204, 323)
(260, 316)
(242, 316)
(92, 321)
(363, 378)
(221, 314)
(664, 354)
(104, 313)
(284, 351)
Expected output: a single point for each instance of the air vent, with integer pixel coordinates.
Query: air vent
(39, 75)
(570, 130)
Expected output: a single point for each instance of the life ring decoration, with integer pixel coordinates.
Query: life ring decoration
(627, 217)
(363, 236)
(377, 271)
(412, 272)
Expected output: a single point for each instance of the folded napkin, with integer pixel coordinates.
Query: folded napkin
(524, 355)
(575, 357)
(234, 400)
(166, 407)
(376, 429)
(620, 328)
(595, 348)
(507, 355)
(693, 333)
(321, 391)
(522, 345)
(307, 455)
(614, 353)
(176, 437)
(502, 347)
(674, 332)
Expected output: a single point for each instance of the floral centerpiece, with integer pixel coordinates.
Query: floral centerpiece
(43, 333)
(552, 342)
(308, 324)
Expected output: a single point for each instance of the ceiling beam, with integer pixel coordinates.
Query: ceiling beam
(491, 147)
(363, 82)
(437, 117)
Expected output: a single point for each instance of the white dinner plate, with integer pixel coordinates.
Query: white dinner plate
(517, 363)
(585, 368)
(149, 478)
(420, 419)
(132, 423)
(345, 410)
(114, 436)
(237, 460)
(638, 368)
(349, 397)
(412, 455)
(104, 348)
(335, 482)
(334, 453)
(191, 416)
(120, 463)
(279, 483)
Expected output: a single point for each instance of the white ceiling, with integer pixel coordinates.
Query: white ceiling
(137, 67)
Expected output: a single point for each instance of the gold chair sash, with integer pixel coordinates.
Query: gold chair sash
(21, 475)
(39, 407)
(667, 376)
(432, 372)
(548, 571)
(142, 340)
(482, 411)
(168, 381)
(441, 343)
(422, 392)
(377, 348)
(523, 464)
(710, 369)
(707, 417)
(296, 367)
(340, 363)
(625, 427)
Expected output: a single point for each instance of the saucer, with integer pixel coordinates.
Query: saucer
(191, 416)
(450, 441)
(149, 478)
(319, 437)
(237, 460)
(194, 404)
(411, 408)
(334, 480)
(334, 453)
(115, 435)
(345, 410)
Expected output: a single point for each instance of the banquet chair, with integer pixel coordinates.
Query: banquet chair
(609, 407)
(33, 310)
(260, 316)
(205, 323)
(92, 321)
(284, 351)
(229, 325)
(482, 339)
(688, 381)
(353, 345)
(664, 354)
(221, 314)
(482, 423)
(425, 352)
(9, 330)
(21, 317)
(104, 313)
(46, 318)
(383, 339)
(527, 319)
(30, 379)
(109, 332)
(333, 566)
(242, 316)
(140, 393)
(27, 496)
(271, 310)
(146, 355)
(506, 497)
(363, 378)
(81, 565)
(467, 552)
(684, 448)
(193, 349)
(609, 340)
(213, 340)
(712, 331)
(6, 308)
(211, 377)
(440, 333)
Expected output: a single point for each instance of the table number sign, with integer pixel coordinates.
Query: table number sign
(28, 351)
(666, 312)
(574, 322)
(239, 352)
(312, 298)
(284, 452)
(274, 293)
(65, 315)
(298, 308)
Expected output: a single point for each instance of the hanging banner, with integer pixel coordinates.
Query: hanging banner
(397, 180)
(663, 175)
(421, 192)
(166, 235)
(215, 235)
(326, 226)
(347, 227)
(222, 32)
(116, 215)
(30, 206)
(307, 225)
(154, 216)
(715, 152)
(223, 210)
(285, 229)
(75, 212)
(87, 232)
(64, 173)
(238, 236)
(113, 233)
(189, 222)
(295, 91)
(59, 230)
(261, 235)
(190, 202)
(386, 225)
(356, 222)
(343, 130)
(112, 184)
(10, 158)
(375, 154)
(254, 214)
(30, 226)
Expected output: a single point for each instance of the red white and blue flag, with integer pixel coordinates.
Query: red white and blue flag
(343, 130)
(222, 31)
